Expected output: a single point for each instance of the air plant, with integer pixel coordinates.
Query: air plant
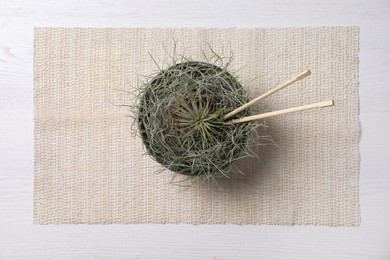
(180, 119)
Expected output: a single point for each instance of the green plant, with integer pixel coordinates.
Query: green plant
(179, 116)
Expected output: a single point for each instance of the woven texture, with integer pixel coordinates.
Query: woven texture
(90, 168)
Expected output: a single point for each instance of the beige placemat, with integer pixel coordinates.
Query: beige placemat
(89, 167)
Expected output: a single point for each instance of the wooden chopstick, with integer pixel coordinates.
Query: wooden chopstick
(281, 112)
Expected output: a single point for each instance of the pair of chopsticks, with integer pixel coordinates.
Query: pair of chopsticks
(300, 76)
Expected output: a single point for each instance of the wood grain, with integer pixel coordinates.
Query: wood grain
(20, 239)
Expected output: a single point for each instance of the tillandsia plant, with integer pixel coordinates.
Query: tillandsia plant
(180, 117)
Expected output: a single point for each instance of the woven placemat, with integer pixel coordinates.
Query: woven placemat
(89, 166)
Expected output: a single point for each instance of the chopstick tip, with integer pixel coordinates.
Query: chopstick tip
(303, 74)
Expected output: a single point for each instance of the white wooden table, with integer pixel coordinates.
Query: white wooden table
(20, 239)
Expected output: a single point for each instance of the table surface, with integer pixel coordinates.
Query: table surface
(20, 239)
